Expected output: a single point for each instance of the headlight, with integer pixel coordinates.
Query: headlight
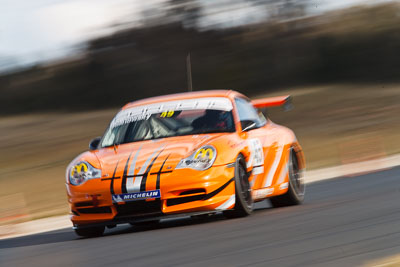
(81, 172)
(201, 160)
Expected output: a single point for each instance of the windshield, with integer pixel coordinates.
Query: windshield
(167, 124)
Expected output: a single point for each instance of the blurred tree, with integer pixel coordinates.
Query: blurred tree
(284, 9)
(291, 9)
(188, 12)
(359, 45)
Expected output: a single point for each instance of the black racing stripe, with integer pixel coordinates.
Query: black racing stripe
(112, 180)
(181, 200)
(159, 173)
(154, 173)
(212, 194)
(144, 179)
(123, 184)
(134, 175)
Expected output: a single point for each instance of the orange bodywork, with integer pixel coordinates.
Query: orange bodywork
(270, 101)
(151, 165)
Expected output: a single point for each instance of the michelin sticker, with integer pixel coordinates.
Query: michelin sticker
(136, 196)
(256, 156)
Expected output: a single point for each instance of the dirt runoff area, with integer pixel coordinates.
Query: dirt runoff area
(335, 124)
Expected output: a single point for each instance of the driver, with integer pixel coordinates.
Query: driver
(212, 119)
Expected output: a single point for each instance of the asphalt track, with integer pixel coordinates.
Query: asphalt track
(344, 222)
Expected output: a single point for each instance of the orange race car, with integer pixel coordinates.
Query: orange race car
(185, 154)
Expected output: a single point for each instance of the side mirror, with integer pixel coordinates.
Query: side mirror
(263, 111)
(94, 143)
(288, 106)
(248, 125)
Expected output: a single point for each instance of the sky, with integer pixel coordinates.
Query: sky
(36, 30)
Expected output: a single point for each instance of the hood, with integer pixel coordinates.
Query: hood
(153, 154)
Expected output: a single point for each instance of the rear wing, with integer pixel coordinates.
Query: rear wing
(273, 102)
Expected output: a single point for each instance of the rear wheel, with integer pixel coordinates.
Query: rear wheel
(295, 193)
(90, 231)
(243, 198)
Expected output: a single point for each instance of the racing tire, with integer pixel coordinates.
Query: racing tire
(243, 198)
(90, 231)
(296, 190)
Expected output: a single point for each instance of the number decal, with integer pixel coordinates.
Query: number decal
(256, 156)
(167, 114)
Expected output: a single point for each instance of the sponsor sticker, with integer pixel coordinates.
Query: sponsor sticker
(284, 186)
(258, 170)
(256, 153)
(262, 193)
(136, 196)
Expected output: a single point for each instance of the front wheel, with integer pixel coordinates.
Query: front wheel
(295, 193)
(90, 231)
(243, 198)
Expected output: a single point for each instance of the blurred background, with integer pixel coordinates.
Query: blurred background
(66, 67)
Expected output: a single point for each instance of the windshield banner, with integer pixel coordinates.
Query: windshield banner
(144, 112)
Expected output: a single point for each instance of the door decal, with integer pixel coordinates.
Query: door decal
(256, 159)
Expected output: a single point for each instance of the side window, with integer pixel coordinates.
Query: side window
(246, 111)
(262, 117)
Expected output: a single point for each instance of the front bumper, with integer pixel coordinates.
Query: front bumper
(115, 221)
(183, 191)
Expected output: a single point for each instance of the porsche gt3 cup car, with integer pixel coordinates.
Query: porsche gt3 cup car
(185, 154)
